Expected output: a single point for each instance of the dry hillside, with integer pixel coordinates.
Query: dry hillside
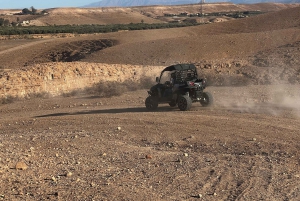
(147, 14)
(242, 44)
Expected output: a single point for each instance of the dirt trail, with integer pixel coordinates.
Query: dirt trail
(29, 44)
(89, 148)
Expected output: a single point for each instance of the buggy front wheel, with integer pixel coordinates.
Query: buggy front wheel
(184, 103)
(151, 103)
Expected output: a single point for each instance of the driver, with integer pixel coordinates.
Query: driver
(173, 76)
(173, 82)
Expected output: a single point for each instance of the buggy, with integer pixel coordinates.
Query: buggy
(178, 85)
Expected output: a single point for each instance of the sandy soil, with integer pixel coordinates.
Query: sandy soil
(86, 148)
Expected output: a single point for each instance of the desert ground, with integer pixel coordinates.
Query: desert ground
(67, 144)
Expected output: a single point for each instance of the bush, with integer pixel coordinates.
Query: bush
(106, 89)
(112, 88)
(7, 100)
(72, 93)
(84, 29)
(38, 95)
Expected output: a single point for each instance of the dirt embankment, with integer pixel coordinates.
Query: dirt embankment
(58, 78)
(65, 77)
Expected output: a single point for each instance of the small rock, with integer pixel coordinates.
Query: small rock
(21, 166)
(148, 156)
(186, 154)
(69, 174)
(118, 128)
(199, 195)
(54, 179)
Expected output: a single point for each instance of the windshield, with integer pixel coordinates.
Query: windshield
(166, 76)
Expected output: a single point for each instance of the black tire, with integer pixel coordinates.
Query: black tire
(173, 104)
(151, 103)
(207, 99)
(184, 103)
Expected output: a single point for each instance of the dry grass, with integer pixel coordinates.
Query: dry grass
(10, 99)
(112, 88)
(109, 89)
(7, 100)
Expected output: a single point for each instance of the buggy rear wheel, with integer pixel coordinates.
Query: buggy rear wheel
(184, 103)
(206, 100)
(151, 103)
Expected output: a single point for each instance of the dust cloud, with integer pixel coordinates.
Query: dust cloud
(270, 99)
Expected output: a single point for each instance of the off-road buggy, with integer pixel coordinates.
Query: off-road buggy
(178, 85)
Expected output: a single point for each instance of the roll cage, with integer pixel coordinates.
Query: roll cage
(182, 72)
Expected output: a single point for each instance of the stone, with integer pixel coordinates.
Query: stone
(21, 165)
(54, 179)
(69, 174)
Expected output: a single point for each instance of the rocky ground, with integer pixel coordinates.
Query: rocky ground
(87, 147)
(245, 147)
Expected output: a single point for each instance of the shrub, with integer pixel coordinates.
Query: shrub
(38, 95)
(112, 88)
(7, 100)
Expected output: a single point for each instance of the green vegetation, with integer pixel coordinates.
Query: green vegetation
(233, 14)
(236, 14)
(31, 11)
(4, 22)
(87, 29)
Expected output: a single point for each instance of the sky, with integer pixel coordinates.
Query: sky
(40, 4)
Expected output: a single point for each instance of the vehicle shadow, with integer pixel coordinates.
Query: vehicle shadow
(109, 111)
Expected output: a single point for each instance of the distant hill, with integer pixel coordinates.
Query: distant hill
(129, 3)
(263, 1)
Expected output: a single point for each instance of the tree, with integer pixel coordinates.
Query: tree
(14, 24)
(26, 11)
(1, 22)
(44, 12)
(33, 10)
(6, 22)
